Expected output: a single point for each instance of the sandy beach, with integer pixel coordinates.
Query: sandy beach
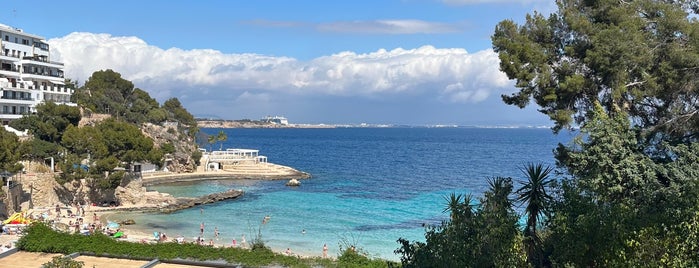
(102, 216)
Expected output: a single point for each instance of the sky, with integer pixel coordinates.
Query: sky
(408, 62)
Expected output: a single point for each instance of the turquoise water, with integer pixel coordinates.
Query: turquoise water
(370, 186)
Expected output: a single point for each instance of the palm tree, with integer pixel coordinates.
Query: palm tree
(221, 137)
(459, 206)
(499, 194)
(211, 139)
(533, 194)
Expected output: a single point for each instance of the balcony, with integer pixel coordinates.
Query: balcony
(17, 98)
(59, 89)
(37, 74)
(41, 61)
(20, 86)
(11, 55)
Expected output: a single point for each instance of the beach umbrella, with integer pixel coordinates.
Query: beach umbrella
(112, 225)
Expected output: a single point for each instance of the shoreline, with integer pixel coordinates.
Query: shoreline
(138, 233)
(150, 179)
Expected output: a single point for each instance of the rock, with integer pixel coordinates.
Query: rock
(188, 202)
(128, 222)
(293, 182)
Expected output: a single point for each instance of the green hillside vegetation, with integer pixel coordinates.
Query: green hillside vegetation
(626, 191)
(91, 150)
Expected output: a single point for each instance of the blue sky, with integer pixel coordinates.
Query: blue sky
(396, 62)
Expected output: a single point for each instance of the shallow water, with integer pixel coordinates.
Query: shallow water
(370, 186)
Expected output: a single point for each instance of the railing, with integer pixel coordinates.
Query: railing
(42, 60)
(8, 54)
(17, 98)
(53, 88)
(14, 69)
(21, 86)
(15, 113)
(45, 74)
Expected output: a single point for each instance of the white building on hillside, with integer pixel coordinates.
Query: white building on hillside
(279, 120)
(28, 77)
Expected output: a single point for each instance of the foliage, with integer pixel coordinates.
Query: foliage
(105, 147)
(196, 156)
(626, 72)
(9, 152)
(354, 259)
(63, 262)
(211, 139)
(534, 194)
(112, 181)
(167, 148)
(36, 149)
(619, 195)
(485, 235)
(638, 56)
(86, 142)
(175, 110)
(41, 238)
(49, 122)
(125, 141)
(221, 137)
(107, 92)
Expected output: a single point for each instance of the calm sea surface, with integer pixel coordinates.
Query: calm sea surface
(370, 186)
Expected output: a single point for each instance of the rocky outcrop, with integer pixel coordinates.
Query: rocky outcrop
(179, 161)
(185, 202)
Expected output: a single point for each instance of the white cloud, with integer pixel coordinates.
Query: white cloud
(386, 26)
(452, 75)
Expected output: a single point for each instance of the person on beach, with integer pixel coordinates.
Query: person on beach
(201, 228)
(325, 250)
(288, 251)
(211, 242)
(234, 243)
(95, 218)
(216, 232)
(266, 219)
(243, 243)
(58, 211)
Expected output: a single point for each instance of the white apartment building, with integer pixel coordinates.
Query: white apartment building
(27, 74)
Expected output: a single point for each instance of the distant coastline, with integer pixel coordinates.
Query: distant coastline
(219, 123)
(246, 123)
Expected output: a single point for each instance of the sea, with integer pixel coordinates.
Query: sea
(369, 186)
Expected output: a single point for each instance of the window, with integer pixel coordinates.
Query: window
(25, 42)
(7, 38)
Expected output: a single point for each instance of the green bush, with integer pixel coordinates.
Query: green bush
(63, 262)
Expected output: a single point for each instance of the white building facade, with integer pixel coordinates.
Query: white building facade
(28, 77)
